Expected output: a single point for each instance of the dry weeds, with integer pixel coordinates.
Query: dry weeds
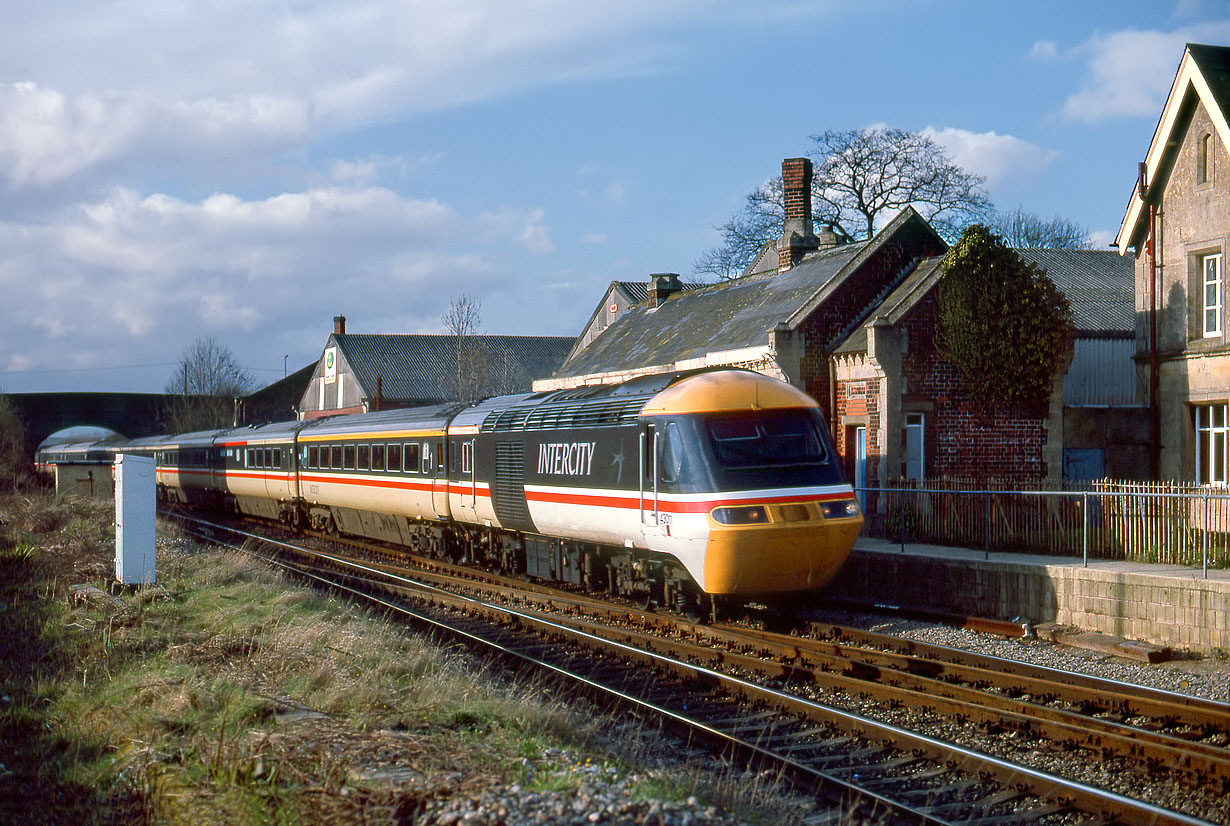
(226, 694)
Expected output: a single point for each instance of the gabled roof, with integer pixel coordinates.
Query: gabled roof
(422, 368)
(1099, 285)
(1204, 75)
(637, 292)
(734, 314)
(725, 316)
(897, 303)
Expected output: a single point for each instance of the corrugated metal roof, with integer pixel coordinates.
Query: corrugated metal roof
(1102, 373)
(638, 291)
(422, 368)
(1099, 284)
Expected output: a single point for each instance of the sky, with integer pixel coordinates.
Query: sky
(249, 169)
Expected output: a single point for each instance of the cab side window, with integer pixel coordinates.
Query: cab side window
(670, 454)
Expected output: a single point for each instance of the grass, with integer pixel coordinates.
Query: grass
(226, 694)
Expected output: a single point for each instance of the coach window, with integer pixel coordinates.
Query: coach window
(439, 455)
(335, 457)
(313, 456)
(395, 458)
(412, 457)
(348, 457)
(377, 457)
(364, 457)
(277, 457)
(670, 459)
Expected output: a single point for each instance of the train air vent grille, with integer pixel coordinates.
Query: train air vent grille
(508, 491)
(564, 415)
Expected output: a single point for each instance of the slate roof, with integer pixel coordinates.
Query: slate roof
(725, 316)
(1099, 284)
(1204, 72)
(422, 368)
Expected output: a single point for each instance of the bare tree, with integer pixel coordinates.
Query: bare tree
(1019, 228)
(205, 384)
(462, 320)
(864, 174)
(860, 178)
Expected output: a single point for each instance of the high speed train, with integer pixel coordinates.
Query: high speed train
(666, 488)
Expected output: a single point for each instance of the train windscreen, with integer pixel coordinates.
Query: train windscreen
(773, 438)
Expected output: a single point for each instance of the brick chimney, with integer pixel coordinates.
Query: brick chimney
(798, 238)
(339, 325)
(662, 285)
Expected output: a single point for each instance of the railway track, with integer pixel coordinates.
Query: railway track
(785, 702)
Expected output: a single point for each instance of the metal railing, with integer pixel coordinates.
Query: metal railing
(1137, 522)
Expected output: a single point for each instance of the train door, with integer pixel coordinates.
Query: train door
(653, 523)
(434, 463)
(466, 491)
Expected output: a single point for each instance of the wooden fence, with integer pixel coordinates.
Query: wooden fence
(1135, 521)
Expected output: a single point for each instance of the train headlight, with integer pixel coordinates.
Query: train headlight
(748, 515)
(841, 509)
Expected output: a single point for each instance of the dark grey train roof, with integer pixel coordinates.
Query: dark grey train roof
(256, 434)
(423, 367)
(726, 316)
(436, 415)
(1099, 284)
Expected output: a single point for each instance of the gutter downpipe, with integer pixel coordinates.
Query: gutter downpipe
(1154, 377)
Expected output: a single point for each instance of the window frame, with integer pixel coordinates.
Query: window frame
(1212, 426)
(1217, 307)
(915, 421)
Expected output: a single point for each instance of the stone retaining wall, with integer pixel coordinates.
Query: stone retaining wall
(1177, 608)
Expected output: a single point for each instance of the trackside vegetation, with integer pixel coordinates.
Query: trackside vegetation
(227, 694)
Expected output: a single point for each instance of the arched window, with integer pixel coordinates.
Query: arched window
(1204, 160)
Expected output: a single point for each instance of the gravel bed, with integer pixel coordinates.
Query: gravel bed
(1203, 677)
(1207, 677)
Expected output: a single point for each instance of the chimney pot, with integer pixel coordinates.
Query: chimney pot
(339, 325)
(798, 238)
(662, 285)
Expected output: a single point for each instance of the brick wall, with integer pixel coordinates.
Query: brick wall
(963, 439)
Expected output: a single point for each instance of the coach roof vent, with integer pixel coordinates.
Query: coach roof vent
(662, 285)
(339, 325)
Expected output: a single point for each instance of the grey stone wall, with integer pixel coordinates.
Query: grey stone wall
(1163, 605)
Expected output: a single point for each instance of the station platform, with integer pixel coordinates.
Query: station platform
(1165, 605)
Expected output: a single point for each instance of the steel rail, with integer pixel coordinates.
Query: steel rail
(852, 798)
(1043, 784)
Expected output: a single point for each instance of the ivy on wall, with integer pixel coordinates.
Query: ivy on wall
(1002, 322)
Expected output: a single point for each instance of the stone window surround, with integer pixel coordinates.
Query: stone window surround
(1196, 253)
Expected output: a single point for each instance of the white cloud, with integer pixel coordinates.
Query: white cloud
(1044, 51)
(999, 158)
(155, 272)
(1128, 73)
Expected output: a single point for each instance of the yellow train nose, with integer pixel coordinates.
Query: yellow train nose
(796, 548)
